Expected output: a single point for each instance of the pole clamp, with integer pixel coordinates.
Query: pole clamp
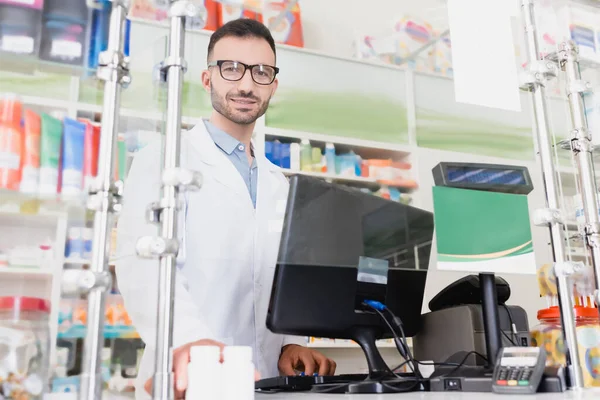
(592, 229)
(568, 49)
(183, 179)
(547, 216)
(154, 246)
(578, 86)
(581, 143)
(78, 281)
(536, 73)
(114, 67)
(568, 269)
(184, 8)
(100, 198)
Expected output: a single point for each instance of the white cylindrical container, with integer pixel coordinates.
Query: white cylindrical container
(239, 368)
(205, 374)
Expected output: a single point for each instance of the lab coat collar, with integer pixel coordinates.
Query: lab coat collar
(223, 170)
(203, 143)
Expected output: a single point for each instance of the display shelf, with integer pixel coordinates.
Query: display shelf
(155, 115)
(29, 64)
(110, 332)
(403, 150)
(25, 272)
(76, 261)
(14, 202)
(354, 180)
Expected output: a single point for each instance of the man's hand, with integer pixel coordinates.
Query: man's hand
(181, 359)
(298, 358)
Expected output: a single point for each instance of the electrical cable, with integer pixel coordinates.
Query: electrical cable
(508, 338)
(401, 345)
(513, 327)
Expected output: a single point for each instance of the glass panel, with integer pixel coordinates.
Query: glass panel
(339, 97)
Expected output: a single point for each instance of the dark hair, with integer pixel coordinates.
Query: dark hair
(241, 28)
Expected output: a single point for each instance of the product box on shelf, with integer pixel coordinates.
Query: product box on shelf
(20, 26)
(283, 20)
(281, 17)
(158, 10)
(229, 10)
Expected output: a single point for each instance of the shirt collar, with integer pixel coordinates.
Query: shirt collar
(223, 140)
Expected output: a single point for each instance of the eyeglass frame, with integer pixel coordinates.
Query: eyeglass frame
(218, 63)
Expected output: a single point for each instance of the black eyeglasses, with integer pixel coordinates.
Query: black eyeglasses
(234, 71)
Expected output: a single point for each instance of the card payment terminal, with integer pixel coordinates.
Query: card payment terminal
(519, 370)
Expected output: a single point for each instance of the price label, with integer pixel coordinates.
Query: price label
(18, 44)
(66, 49)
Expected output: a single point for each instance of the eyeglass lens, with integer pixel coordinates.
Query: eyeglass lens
(234, 71)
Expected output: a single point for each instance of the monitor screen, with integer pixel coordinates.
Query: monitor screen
(340, 247)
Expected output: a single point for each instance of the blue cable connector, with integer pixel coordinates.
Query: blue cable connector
(375, 304)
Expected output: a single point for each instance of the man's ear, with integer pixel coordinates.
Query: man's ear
(206, 80)
(274, 86)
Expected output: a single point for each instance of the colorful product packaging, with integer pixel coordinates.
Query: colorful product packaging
(10, 143)
(157, 10)
(65, 31)
(30, 160)
(121, 159)
(229, 10)
(20, 26)
(100, 25)
(72, 156)
(50, 149)
(91, 148)
(283, 20)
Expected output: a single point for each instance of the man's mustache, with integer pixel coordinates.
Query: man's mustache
(249, 96)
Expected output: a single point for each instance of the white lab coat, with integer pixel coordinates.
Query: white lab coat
(223, 286)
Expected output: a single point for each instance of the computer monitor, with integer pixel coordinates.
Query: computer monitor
(340, 247)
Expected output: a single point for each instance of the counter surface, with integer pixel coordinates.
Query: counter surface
(583, 395)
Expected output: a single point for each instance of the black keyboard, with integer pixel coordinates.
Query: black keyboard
(305, 383)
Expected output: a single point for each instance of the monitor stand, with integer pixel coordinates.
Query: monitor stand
(380, 378)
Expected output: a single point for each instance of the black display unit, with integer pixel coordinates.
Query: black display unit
(340, 247)
(487, 177)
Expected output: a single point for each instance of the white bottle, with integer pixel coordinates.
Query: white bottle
(205, 374)
(239, 369)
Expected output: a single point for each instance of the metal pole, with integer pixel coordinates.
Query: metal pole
(165, 212)
(104, 198)
(582, 147)
(166, 290)
(539, 70)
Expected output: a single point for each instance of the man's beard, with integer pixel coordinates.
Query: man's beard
(222, 107)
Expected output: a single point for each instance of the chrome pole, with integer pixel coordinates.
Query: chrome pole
(582, 147)
(165, 212)
(104, 197)
(539, 71)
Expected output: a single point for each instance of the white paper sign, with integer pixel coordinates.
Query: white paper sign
(483, 53)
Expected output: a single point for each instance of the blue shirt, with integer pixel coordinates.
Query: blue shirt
(236, 153)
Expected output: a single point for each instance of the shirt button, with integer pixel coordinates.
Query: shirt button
(241, 148)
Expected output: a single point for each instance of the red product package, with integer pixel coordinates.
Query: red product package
(283, 20)
(229, 11)
(91, 148)
(11, 143)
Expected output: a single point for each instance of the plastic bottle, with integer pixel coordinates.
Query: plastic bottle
(205, 373)
(330, 158)
(305, 155)
(238, 366)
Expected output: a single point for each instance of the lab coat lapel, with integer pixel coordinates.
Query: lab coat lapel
(216, 163)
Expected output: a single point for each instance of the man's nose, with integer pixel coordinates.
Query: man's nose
(246, 84)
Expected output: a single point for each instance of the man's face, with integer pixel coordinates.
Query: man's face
(242, 101)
